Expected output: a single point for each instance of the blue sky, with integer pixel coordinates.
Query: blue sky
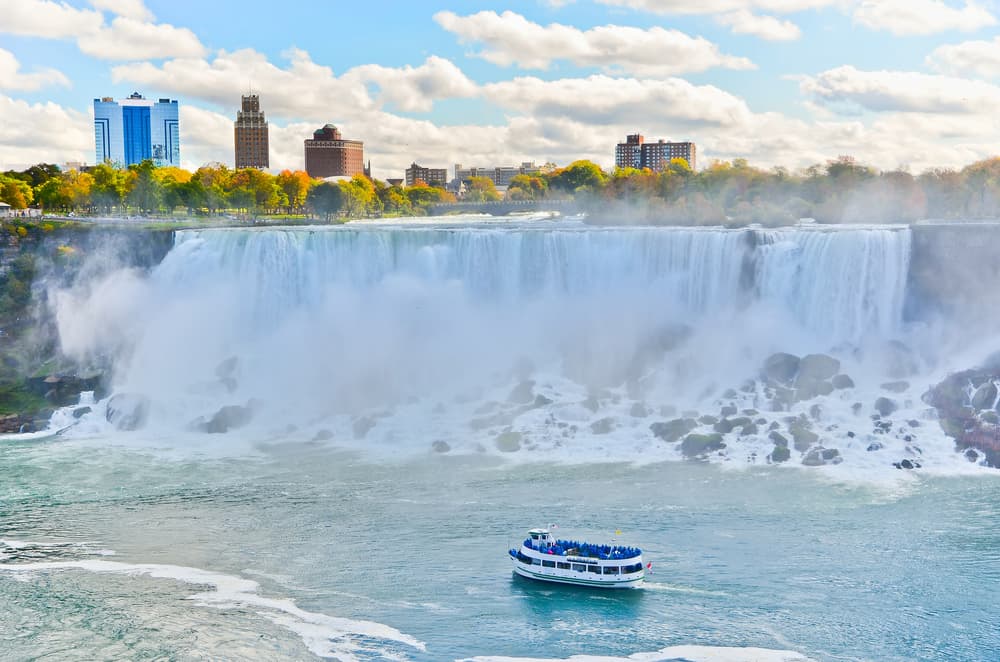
(908, 83)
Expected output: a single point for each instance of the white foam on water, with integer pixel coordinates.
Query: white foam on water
(325, 636)
(680, 653)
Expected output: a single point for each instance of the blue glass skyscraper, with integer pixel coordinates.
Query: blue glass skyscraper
(134, 129)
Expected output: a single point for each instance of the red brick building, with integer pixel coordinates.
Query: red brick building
(329, 155)
(250, 134)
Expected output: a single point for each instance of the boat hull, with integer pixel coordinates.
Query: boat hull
(522, 571)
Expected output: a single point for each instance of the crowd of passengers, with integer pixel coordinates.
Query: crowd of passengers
(573, 548)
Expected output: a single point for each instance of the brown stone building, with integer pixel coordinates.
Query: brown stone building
(329, 155)
(250, 132)
(635, 152)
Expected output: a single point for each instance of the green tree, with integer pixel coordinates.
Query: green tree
(111, 185)
(481, 189)
(15, 192)
(527, 187)
(147, 193)
(325, 199)
(578, 175)
(359, 196)
(295, 185)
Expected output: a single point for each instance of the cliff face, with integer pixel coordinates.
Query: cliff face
(33, 259)
(954, 273)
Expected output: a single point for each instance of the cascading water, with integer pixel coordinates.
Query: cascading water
(321, 327)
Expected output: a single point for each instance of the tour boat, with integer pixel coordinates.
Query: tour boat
(583, 564)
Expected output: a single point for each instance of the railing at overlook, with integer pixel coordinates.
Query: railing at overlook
(501, 207)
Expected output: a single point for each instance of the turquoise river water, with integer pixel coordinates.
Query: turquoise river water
(299, 550)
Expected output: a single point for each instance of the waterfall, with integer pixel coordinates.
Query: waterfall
(315, 321)
(845, 284)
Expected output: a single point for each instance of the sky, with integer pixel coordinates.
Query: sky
(908, 84)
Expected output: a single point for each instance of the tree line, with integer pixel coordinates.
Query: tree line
(726, 192)
(735, 192)
(144, 188)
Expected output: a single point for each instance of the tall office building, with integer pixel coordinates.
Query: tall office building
(328, 154)
(635, 152)
(250, 134)
(134, 129)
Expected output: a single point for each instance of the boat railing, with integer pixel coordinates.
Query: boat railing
(574, 548)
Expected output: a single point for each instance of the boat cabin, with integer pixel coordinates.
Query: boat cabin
(541, 538)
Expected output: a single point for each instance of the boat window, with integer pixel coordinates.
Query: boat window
(562, 566)
(579, 567)
(536, 562)
(611, 570)
(549, 564)
(596, 569)
(523, 558)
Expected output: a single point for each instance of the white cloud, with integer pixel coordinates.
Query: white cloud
(901, 91)
(130, 36)
(977, 57)
(27, 135)
(766, 27)
(510, 38)
(11, 77)
(900, 17)
(920, 17)
(129, 39)
(719, 6)
(303, 89)
(414, 89)
(602, 100)
(129, 8)
(44, 18)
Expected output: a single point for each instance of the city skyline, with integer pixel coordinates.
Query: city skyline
(779, 83)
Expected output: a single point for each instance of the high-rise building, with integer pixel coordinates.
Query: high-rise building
(635, 152)
(429, 176)
(328, 154)
(629, 153)
(250, 135)
(134, 129)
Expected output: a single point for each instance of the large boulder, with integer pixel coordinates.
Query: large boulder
(780, 454)
(817, 368)
(885, 406)
(127, 411)
(508, 442)
(781, 367)
(840, 382)
(817, 457)
(727, 425)
(802, 437)
(985, 396)
(230, 417)
(700, 444)
(671, 431)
